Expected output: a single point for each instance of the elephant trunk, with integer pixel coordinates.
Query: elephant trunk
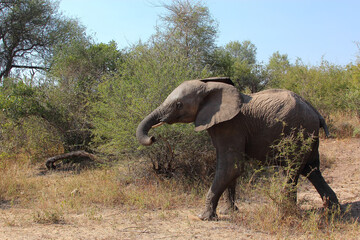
(146, 124)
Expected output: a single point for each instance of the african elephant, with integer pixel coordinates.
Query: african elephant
(241, 127)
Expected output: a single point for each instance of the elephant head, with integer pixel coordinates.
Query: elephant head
(205, 102)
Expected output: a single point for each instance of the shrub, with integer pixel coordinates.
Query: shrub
(330, 88)
(272, 211)
(146, 76)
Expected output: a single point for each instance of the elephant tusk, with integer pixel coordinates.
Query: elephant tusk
(157, 125)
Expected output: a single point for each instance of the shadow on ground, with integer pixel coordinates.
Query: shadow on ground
(354, 209)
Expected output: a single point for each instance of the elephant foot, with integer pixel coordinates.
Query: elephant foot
(208, 216)
(332, 205)
(226, 210)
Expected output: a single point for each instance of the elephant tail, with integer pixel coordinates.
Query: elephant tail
(321, 121)
(324, 126)
(321, 118)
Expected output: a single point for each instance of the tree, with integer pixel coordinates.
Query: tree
(29, 29)
(220, 62)
(238, 61)
(328, 87)
(189, 28)
(81, 65)
(145, 77)
(62, 102)
(76, 72)
(277, 67)
(353, 93)
(250, 77)
(147, 74)
(242, 52)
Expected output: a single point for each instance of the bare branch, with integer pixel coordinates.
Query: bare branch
(29, 67)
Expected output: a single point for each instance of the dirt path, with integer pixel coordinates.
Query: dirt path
(113, 224)
(343, 174)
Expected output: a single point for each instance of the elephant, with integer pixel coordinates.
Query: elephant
(242, 128)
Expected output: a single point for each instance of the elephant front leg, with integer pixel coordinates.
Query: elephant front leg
(230, 147)
(224, 178)
(211, 202)
(289, 195)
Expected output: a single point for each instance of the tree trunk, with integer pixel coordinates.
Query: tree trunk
(71, 155)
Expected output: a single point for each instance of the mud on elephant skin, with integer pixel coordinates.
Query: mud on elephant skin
(241, 127)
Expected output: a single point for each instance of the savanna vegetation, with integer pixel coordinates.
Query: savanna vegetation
(60, 91)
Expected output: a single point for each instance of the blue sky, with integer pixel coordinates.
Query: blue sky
(306, 29)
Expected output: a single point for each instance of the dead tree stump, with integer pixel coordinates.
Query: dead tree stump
(76, 155)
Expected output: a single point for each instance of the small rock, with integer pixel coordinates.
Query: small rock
(75, 192)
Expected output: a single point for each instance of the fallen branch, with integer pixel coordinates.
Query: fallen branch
(76, 155)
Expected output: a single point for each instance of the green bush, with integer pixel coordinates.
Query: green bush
(145, 78)
(23, 129)
(271, 211)
(330, 88)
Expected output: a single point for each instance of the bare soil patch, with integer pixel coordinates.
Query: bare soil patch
(341, 159)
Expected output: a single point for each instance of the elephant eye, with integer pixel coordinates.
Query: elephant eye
(179, 105)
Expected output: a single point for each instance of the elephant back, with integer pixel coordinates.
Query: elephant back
(283, 107)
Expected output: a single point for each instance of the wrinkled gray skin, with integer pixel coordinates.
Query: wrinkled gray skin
(242, 127)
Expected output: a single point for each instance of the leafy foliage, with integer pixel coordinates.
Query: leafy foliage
(329, 87)
(29, 30)
(19, 100)
(92, 96)
(147, 76)
(23, 124)
(81, 65)
(238, 61)
(188, 27)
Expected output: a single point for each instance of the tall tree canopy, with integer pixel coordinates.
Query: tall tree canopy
(238, 61)
(277, 67)
(29, 29)
(189, 27)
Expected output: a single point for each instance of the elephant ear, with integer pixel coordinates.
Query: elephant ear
(226, 80)
(222, 103)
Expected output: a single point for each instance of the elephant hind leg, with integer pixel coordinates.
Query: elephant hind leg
(326, 193)
(312, 172)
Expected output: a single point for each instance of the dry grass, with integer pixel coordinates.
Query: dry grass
(344, 125)
(263, 214)
(272, 211)
(52, 195)
(300, 224)
(56, 197)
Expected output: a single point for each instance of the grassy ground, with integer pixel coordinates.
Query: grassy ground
(112, 203)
